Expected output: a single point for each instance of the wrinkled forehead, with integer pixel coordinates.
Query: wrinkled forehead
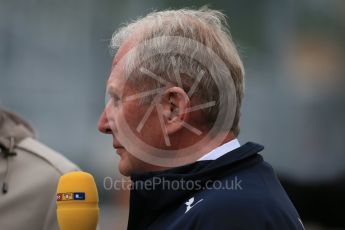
(131, 41)
(118, 64)
(116, 82)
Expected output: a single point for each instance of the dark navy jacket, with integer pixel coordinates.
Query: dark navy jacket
(236, 191)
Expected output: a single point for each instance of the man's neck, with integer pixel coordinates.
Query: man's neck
(205, 149)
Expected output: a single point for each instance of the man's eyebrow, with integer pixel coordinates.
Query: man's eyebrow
(112, 91)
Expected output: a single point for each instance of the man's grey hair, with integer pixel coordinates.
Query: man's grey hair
(208, 28)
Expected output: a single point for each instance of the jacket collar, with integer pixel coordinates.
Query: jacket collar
(221, 150)
(146, 203)
(13, 129)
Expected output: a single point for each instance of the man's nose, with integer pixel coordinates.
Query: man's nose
(103, 123)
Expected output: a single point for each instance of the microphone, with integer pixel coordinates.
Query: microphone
(77, 202)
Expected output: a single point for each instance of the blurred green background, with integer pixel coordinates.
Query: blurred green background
(54, 63)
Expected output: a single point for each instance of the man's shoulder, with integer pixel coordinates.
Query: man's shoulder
(233, 201)
(254, 188)
(239, 209)
(248, 201)
(41, 152)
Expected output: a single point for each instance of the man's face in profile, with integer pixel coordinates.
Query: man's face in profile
(172, 125)
(119, 111)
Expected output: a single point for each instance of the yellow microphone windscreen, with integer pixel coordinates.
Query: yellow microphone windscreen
(77, 202)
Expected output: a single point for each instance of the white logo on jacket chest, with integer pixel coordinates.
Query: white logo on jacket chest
(190, 204)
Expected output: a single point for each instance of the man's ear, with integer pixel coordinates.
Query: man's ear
(173, 107)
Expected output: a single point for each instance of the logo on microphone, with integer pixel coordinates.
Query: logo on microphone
(70, 196)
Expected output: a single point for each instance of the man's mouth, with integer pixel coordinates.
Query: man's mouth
(116, 144)
(118, 147)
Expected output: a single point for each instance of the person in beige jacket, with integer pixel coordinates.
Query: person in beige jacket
(29, 173)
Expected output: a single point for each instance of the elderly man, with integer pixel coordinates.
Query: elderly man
(175, 93)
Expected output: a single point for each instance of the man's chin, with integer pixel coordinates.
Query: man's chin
(124, 168)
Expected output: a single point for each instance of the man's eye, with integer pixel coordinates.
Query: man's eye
(116, 100)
